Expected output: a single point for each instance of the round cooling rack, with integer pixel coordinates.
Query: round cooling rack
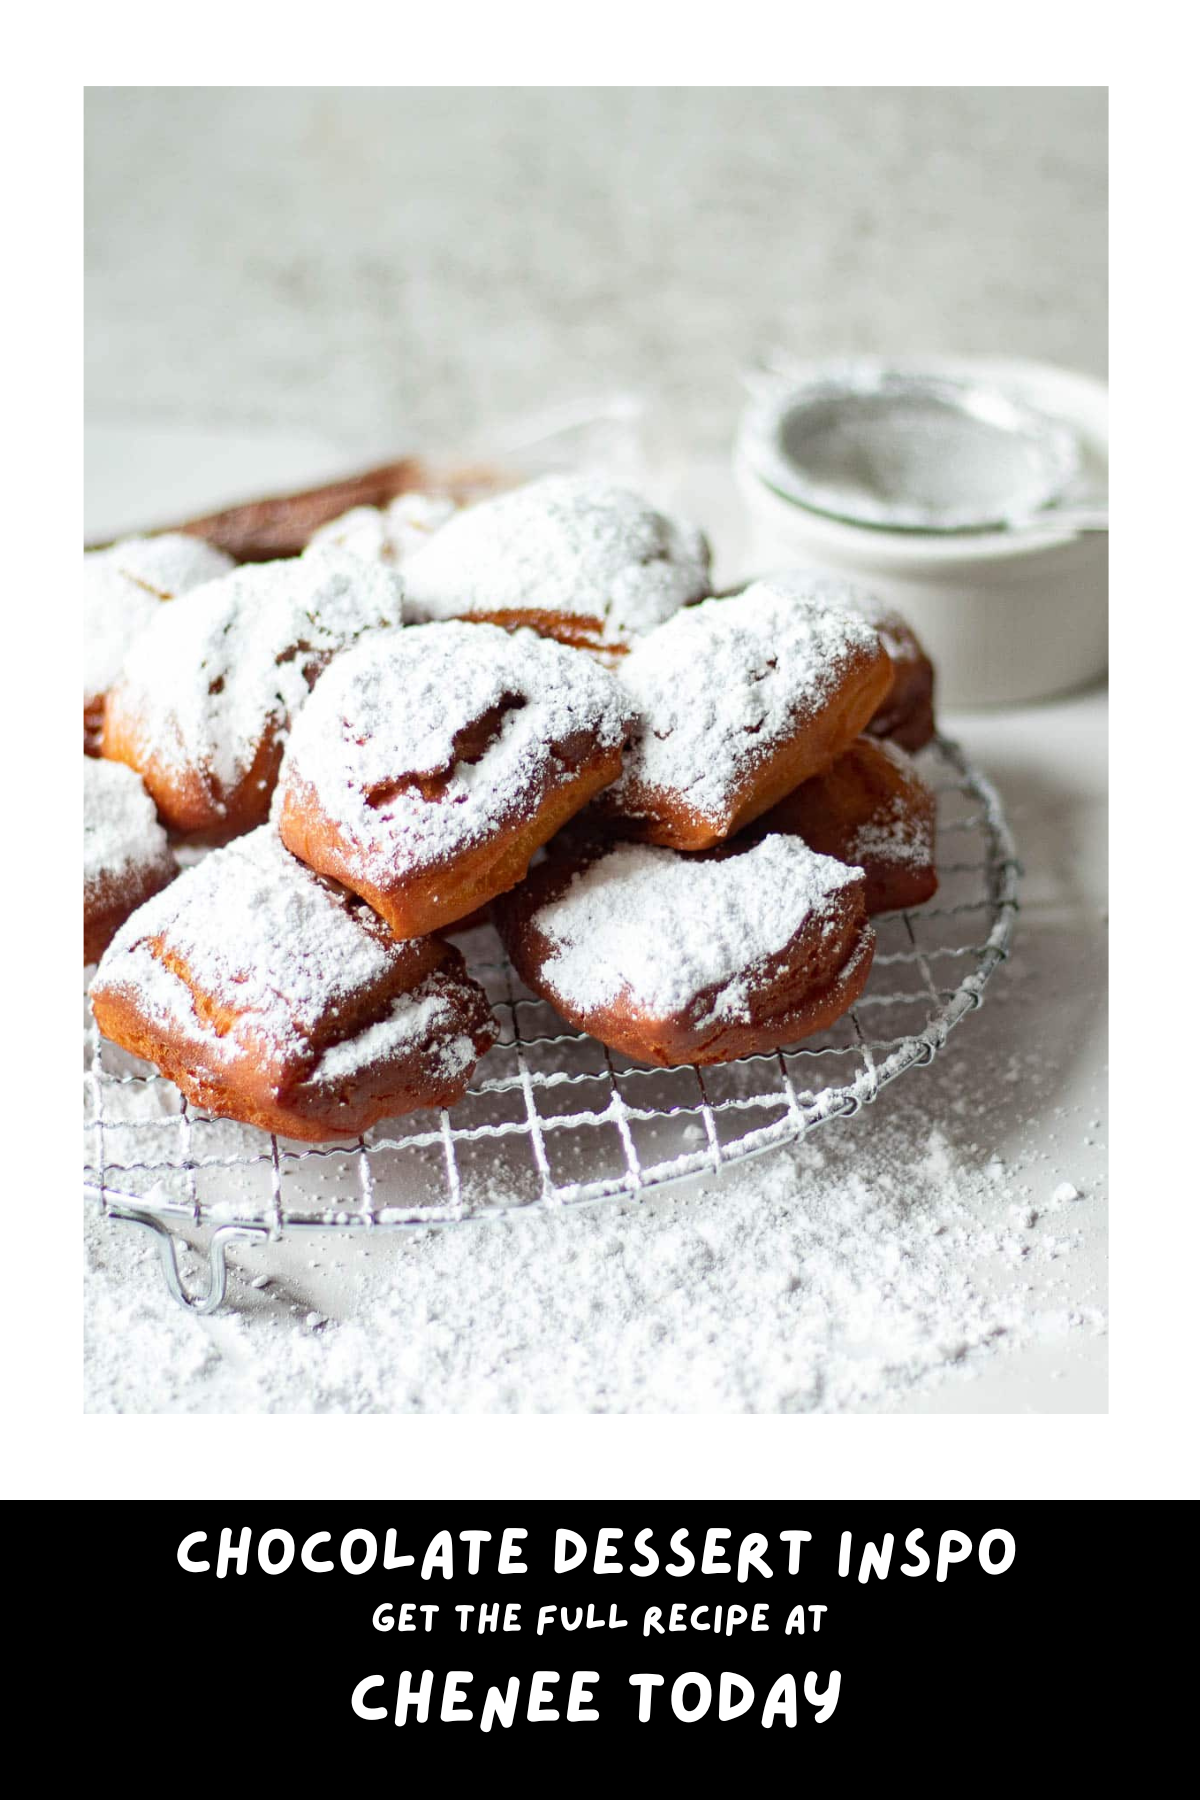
(553, 1118)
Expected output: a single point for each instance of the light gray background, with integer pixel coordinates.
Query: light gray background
(391, 267)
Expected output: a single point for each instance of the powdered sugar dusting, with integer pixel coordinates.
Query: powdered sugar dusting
(421, 1016)
(721, 686)
(213, 672)
(897, 832)
(259, 934)
(121, 831)
(386, 534)
(665, 928)
(866, 1270)
(893, 629)
(566, 544)
(393, 708)
(123, 587)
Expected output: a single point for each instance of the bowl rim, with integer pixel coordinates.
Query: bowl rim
(1078, 399)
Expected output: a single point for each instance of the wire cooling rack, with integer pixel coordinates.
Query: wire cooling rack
(553, 1118)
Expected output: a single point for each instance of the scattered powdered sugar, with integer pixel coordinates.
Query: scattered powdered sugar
(666, 928)
(868, 1269)
(121, 831)
(386, 534)
(896, 1262)
(212, 673)
(394, 709)
(259, 934)
(123, 587)
(722, 686)
(565, 544)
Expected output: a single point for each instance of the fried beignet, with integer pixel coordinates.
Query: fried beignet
(871, 809)
(123, 588)
(692, 959)
(126, 857)
(272, 996)
(432, 762)
(284, 524)
(208, 693)
(574, 558)
(738, 701)
(387, 534)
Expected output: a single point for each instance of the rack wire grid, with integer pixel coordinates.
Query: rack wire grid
(553, 1118)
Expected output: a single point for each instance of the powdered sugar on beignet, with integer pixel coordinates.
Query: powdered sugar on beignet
(870, 809)
(387, 534)
(433, 761)
(123, 587)
(576, 558)
(738, 701)
(274, 996)
(209, 691)
(126, 857)
(906, 712)
(676, 958)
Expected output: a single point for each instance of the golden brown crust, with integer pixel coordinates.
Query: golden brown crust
(576, 630)
(207, 695)
(93, 724)
(272, 997)
(433, 762)
(308, 1106)
(798, 991)
(905, 716)
(437, 898)
(739, 700)
(873, 810)
(655, 816)
(109, 900)
(189, 801)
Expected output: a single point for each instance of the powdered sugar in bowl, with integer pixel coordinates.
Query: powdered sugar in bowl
(966, 492)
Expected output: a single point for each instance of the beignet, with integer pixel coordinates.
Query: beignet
(272, 996)
(432, 762)
(123, 588)
(871, 809)
(738, 700)
(571, 556)
(387, 534)
(284, 524)
(684, 959)
(126, 857)
(208, 693)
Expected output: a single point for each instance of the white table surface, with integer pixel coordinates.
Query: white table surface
(1020, 1092)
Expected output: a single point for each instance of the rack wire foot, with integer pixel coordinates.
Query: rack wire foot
(200, 1303)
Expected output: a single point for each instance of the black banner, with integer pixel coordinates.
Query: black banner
(504, 1629)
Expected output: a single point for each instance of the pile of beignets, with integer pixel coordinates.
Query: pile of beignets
(679, 810)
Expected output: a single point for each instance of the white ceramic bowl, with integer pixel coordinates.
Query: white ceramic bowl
(1005, 616)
